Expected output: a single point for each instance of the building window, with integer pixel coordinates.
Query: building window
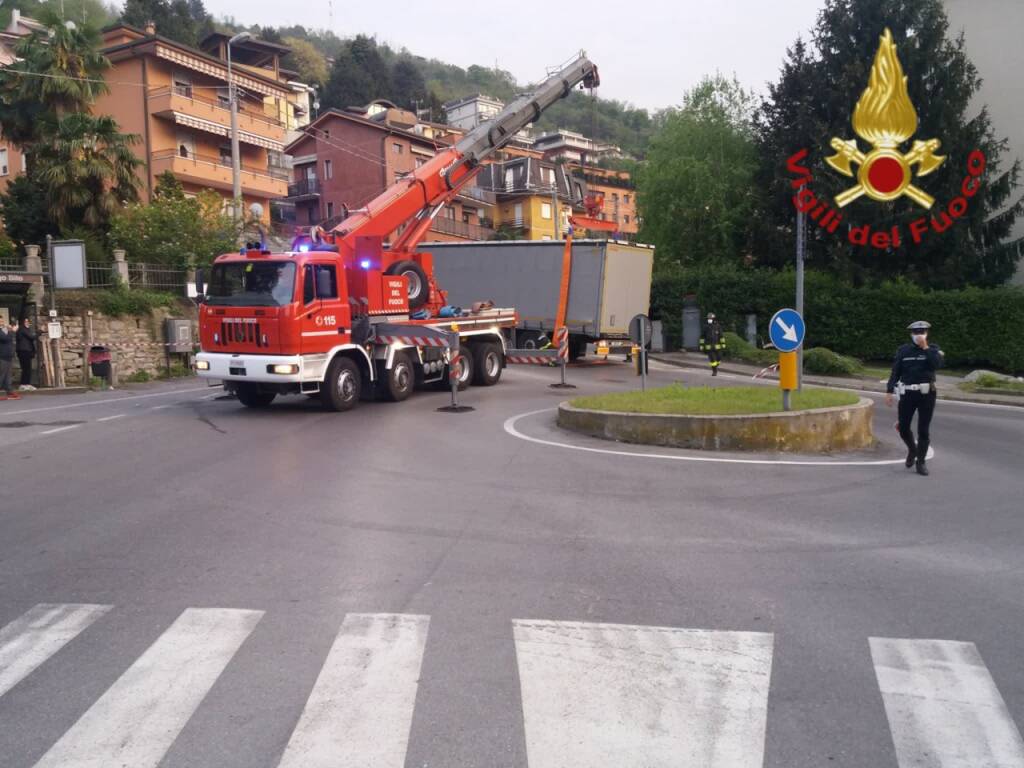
(225, 156)
(615, 197)
(328, 169)
(420, 162)
(449, 212)
(3, 162)
(626, 218)
(625, 199)
(545, 210)
(397, 148)
(330, 210)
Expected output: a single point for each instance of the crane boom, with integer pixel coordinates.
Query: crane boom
(436, 182)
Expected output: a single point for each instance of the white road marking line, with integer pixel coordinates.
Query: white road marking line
(60, 429)
(169, 393)
(38, 634)
(135, 722)
(161, 407)
(360, 710)
(943, 707)
(111, 418)
(510, 427)
(643, 697)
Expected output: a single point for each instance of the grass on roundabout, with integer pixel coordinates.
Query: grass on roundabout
(713, 401)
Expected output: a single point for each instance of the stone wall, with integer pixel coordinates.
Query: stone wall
(136, 342)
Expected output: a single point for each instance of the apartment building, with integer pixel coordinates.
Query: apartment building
(11, 160)
(568, 146)
(467, 113)
(618, 193)
(534, 198)
(346, 158)
(175, 98)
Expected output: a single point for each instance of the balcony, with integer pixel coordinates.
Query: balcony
(304, 188)
(461, 229)
(215, 172)
(184, 105)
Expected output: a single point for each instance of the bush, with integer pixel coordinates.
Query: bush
(122, 301)
(140, 376)
(974, 326)
(826, 362)
(737, 348)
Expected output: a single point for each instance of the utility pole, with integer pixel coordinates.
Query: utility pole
(800, 247)
(236, 162)
(554, 209)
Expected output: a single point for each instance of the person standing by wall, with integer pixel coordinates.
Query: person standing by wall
(25, 347)
(7, 362)
(713, 342)
(913, 378)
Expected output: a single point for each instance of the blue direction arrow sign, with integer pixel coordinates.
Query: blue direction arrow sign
(787, 330)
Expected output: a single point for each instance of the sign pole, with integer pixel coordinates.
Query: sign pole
(562, 343)
(800, 247)
(642, 355)
(454, 362)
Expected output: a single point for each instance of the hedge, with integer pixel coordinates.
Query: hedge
(974, 326)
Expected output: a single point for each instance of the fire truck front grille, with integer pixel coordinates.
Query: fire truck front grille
(241, 332)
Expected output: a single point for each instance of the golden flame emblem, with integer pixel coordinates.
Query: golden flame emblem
(885, 118)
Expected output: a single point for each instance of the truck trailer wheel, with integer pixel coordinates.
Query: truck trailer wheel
(340, 390)
(416, 278)
(488, 364)
(398, 383)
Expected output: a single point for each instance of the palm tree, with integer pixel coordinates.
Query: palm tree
(57, 72)
(88, 170)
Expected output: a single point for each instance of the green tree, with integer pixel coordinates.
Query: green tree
(185, 21)
(305, 59)
(175, 230)
(88, 171)
(408, 89)
(813, 101)
(359, 75)
(695, 188)
(26, 214)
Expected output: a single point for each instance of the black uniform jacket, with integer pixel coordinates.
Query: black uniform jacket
(914, 365)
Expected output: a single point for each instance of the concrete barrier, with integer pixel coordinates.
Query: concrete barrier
(819, 430)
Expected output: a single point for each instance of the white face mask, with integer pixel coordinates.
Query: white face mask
(916, 337)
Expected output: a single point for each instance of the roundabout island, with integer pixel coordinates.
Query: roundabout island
(725, 419)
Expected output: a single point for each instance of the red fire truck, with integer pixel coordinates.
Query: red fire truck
(341, 313)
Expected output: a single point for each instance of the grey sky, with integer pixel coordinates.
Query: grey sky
(649, 51)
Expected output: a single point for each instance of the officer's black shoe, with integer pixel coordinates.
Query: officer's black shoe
(921, 468)
(911, 457)
(714, 371)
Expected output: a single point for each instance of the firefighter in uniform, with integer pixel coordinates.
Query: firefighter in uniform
(713, 342)
(913, 380)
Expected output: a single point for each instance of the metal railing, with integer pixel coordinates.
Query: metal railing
(99, 275)
(17, 264)
(156, 278)
(460, 229)
(278, 174)
(304, 187)
(190, 93)
(478, 193)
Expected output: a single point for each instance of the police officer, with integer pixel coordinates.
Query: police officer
(713, 342)
(913, 379)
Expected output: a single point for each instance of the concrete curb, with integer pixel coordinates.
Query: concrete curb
(868, 385)
(820, 430)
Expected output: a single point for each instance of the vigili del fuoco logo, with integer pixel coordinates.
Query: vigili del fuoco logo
(885, 119)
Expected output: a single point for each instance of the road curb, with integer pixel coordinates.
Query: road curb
(861, 384)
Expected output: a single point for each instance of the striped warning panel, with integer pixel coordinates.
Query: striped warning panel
(414, 341)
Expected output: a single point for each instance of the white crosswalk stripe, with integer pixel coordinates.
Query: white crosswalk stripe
(623, 696)
(598, 695)
(360, 710)
(135, 722)
(943, 707)
(34, 637)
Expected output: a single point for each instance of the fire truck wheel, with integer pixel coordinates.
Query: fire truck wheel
(251, 396)
(488, 364)
(401, 379)
(466, 366)
(340, 390)
(419, 288)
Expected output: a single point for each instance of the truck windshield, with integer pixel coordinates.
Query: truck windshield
(252, 284)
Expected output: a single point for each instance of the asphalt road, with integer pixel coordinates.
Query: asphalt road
(184, 582)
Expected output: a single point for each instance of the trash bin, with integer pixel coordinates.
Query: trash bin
(99, 362)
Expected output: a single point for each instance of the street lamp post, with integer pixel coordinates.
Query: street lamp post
(236, 163)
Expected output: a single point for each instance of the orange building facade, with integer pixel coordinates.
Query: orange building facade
(175, 99)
